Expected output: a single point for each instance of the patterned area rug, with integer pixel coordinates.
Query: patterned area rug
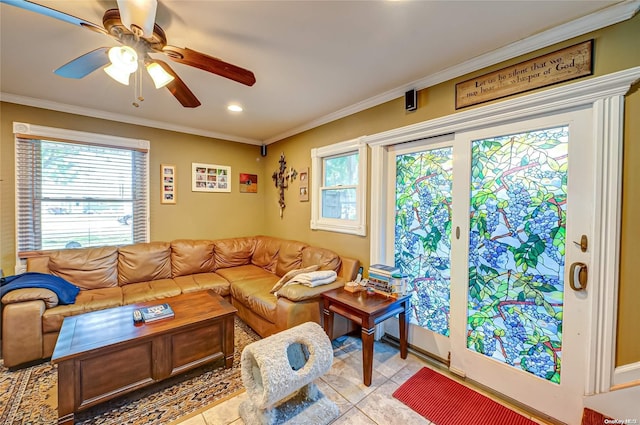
(29, 395)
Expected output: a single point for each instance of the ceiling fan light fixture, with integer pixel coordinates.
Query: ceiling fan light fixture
(124, 57)
(159, 76)
(118, 74)
(140, 14)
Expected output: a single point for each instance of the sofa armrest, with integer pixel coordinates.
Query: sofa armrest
(349, 269)
(297, 292)
(49, 297)
(22, 332)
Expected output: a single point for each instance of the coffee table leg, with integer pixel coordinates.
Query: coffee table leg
(328, 320)
(367, 353)
(228, 346)
(404, 329)
(66, 392)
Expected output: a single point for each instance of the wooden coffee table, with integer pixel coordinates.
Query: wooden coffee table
(367, 310)
(102, 354)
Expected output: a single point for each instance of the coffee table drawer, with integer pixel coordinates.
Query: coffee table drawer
(196, 346)
(114, 372)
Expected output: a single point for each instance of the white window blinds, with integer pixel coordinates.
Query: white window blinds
(78, 194)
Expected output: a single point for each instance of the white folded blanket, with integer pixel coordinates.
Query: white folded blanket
(313, 279)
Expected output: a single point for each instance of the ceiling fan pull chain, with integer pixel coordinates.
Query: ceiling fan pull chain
(137, 88)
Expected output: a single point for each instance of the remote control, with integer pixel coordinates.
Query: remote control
(137, 317)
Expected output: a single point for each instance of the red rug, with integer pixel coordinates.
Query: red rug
(591, 417)
(445, 402)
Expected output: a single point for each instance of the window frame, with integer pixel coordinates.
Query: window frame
(30, 131)
(318, 155)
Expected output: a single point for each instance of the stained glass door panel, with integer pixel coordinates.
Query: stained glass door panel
(423, 233)
(516, 249)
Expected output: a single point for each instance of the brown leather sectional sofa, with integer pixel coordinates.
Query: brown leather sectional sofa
(243, 270)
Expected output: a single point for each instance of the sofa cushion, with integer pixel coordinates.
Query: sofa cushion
(149, 291)
(246, 272)
(142, 262)
(38, 264)
(243, 289)
(87, 268)
(289, 256)
(325, 258)
(191, 257)
(233, 252)
(265, 254)
(264, 304)
(201, 282)
(86, 301)
(256, 295)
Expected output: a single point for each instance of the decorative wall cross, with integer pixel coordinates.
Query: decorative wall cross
(281, 178)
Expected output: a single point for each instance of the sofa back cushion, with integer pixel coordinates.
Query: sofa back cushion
(39, 264)
(289, 256)
(233, 252)
(143, 262)
(191, 257)
(325, 258)
(87, 268)
(265, 254)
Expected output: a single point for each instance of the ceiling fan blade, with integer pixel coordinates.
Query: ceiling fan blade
(52, 13)
(210, 64)
(84, 65)
(140, 14)
(179, 89)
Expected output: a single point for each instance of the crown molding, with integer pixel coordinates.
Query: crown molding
(94, 113)
(603, 18)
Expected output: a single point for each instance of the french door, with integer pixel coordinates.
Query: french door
(421, 210)
(484, 224)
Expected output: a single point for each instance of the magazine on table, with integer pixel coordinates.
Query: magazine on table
(156, 312)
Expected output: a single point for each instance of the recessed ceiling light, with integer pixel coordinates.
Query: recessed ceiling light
(234, 108)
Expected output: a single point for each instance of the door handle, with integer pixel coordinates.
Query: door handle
(578, 274)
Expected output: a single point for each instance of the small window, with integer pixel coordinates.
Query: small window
(339, 192)
(79, 189)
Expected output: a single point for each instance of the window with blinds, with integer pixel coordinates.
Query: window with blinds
(78, 194)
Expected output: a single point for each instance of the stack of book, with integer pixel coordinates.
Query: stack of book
(156, 312)
(380, 277)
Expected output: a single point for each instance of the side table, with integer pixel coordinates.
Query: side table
(367, 310)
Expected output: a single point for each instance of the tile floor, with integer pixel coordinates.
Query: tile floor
(358, 404)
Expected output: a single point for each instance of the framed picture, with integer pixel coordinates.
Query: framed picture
(303, 195)
(248, 183)
(210, 178)
(167, 184)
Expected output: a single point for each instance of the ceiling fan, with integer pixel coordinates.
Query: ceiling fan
(133, 25)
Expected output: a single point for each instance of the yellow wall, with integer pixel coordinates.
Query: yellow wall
(206, 215)
(616, 48)
(196, 215)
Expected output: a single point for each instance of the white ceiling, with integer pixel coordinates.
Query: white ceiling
(310, 58)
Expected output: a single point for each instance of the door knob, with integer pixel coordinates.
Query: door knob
(578, 274)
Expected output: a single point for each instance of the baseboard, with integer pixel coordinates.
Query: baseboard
(621, 404)
(626, 375)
